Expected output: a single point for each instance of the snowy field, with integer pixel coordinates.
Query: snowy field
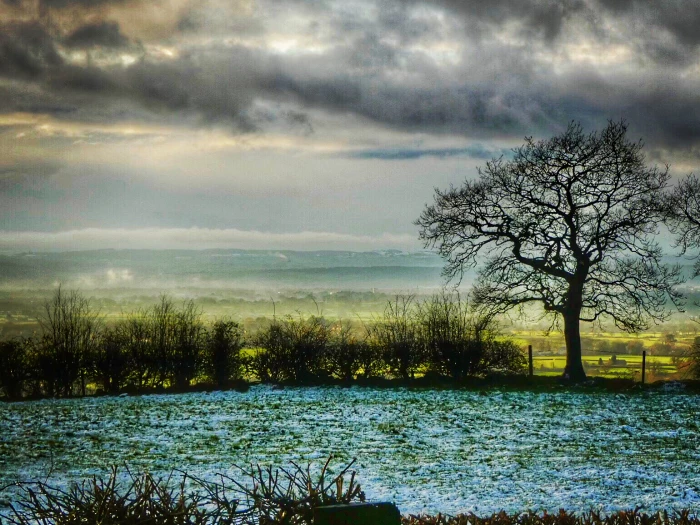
(426, 450)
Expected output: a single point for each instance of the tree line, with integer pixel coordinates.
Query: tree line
(168, 345)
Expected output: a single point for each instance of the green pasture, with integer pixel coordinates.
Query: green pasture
(606, 366)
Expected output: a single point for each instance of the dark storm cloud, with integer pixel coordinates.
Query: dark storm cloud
(498, 88)
(58, 6)
(217, 88)
(665, 32)
(459, 99)
(26, 50)
(380, 67)
(84, 80)
(680, 17)
(105, 34)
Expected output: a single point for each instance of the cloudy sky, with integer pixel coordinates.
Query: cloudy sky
(309, 123)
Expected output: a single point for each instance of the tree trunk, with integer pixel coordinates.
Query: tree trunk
(572, 335)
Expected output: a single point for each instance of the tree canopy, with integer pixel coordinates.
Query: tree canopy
(568, 223)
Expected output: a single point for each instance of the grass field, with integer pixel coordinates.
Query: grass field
(600, 347)
(427, 450)
(606, 366)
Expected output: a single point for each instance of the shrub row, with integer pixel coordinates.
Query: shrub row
(168, 345)
(629, 517)
(437, 336)
(260, 495)
(165, 345)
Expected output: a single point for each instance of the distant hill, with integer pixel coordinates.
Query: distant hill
(262, 270)
(252, 269)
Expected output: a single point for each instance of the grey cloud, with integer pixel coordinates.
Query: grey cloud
(680, 17)
(438, 100)
(217, 87)
(62, 4)
(544, 18)
(83, 79)
(26, 50)
(219, 20)
(664, 110)
(396, 20)
(477, 151)
(105, 34)
(34, 168)
(494, 90)
(491, 89)
(640, 22)
(44, 5)
(26, 179)
(648, 24)
(617, 5)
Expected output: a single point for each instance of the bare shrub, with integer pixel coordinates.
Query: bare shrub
(290, 495)
(14, 367)
(459, 344)
(71, 330)
(143, 500)
(347, 353)
(260, 496)
(185, 359)
(110, 360)
(396, 334)
(222, 362)
(293, 349)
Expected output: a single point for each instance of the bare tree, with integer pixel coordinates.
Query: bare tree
(70, 333)
(396, 333)
(162, 328)
(569, 223)
(135, 333)
(346, 352)
(682, 209)
(189, 341)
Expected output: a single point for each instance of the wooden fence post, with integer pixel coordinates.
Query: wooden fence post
(644, 365)
(529, 357)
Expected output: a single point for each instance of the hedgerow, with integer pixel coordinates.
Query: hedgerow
(169, 346)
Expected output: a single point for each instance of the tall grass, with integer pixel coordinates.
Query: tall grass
(259, 495)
